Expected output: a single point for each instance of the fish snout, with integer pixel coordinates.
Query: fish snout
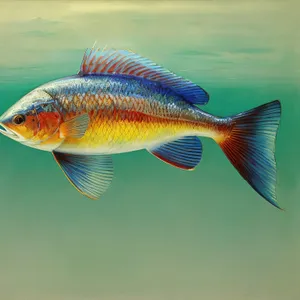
(5, 130)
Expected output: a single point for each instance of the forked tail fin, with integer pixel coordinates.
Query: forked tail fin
(250, 147)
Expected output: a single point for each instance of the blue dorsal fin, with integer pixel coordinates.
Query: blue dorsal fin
(124, 62)
(184, 153)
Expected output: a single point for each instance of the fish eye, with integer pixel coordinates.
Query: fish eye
(19, 119)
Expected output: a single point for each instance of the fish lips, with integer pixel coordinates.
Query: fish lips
(9, 133)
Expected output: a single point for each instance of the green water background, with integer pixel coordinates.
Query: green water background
(159, 232)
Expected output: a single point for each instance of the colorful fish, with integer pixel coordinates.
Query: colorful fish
(121, 102)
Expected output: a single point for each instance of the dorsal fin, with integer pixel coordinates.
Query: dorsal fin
(124, 62)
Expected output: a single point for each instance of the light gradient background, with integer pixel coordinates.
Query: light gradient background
(159, 233)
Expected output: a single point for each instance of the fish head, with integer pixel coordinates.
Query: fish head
(32, 120)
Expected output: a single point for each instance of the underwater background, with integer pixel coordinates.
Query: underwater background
(159, 232)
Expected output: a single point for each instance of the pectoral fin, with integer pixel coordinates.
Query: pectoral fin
(75, 127)
(91, 175)
(184, 153)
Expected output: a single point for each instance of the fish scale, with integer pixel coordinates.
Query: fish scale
(123, 112)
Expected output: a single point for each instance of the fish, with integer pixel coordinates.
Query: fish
(121, 102)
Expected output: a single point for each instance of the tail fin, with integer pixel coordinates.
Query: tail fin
(250, 147)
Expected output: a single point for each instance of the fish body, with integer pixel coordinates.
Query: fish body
(126, 114)
(120, 102)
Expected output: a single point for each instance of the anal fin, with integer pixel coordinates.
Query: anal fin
(184, 153)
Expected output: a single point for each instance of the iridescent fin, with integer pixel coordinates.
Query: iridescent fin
(250, 147)
(127, 63)
(91, 175)
(76, 127)
(184, 153)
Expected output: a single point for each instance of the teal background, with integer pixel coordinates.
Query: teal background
(159, 232)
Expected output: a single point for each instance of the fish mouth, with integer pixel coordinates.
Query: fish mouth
(7, 132)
